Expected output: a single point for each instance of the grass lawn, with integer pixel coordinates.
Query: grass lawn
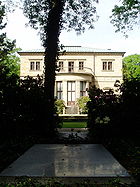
(74, 124)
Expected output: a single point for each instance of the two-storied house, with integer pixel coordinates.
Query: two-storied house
(78, 68)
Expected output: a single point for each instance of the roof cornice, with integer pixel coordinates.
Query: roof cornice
(73, 50)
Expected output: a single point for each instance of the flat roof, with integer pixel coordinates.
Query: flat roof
(74, 49)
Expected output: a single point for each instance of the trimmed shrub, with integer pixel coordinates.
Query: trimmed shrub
(59, 103)
(82, 104)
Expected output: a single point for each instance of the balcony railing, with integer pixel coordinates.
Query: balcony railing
(85, 70)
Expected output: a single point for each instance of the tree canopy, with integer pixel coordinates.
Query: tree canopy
(131, 66)
(11, 61)
(76, 15)
(126, 15)
(6, 45)
(8, 57)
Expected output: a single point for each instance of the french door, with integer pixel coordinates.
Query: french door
(70, 93)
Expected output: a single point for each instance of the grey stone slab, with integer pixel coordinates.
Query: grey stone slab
(59, 160)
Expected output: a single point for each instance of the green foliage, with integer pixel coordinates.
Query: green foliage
(6, 46)
(76, 14)
(115, 115)
(126, 151)
(59, 106)
(103, 110)
(82, 103)
(131, 67)
(23, 106)
(8, 57)
(125, 16)
(79, 14)
(130, 99)
(11, 61)
(115, 182)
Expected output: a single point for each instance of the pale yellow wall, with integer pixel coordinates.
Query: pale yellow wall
(108, 78)
(102, 78)
(88, 59)
(116, 62)
(25, 65)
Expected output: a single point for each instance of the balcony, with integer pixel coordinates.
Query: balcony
(75, 70)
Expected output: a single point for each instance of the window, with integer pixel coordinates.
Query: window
(59, 89)
(61, 66)
(82, 88)
(34, 66)
(71, 92)
(107, 66)
(104, 65)
(81, 65)
(38, 66)
(70, 67)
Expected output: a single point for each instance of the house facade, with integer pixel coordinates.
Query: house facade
(79, 67)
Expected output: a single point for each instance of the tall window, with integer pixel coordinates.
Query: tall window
(37, 65)
(107, 66)
(59, 89)
(70, 66)
(61, 65)
(71, 92)
(81, 65)
(34, 66)
(104, 65)
(82, 88)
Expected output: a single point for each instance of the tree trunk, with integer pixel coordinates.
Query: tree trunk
(51, 51)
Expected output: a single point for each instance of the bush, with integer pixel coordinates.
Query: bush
(59, 106)
(130, 105)
(111, 114)
(82, 104)
(102, 112)
(23, 107)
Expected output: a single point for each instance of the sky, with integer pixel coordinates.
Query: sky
(102, 37)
